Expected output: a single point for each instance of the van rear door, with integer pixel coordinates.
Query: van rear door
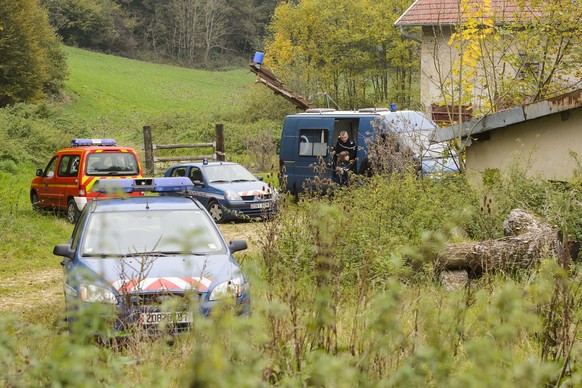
(304, 140)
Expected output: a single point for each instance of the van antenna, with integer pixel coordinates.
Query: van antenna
(327, 98)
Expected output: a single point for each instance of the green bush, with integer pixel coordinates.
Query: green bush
(559, 203)
(30, 134)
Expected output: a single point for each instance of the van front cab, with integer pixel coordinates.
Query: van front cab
(70, 177)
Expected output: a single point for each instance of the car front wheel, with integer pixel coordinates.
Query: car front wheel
(72, 211)
(216, 212)
(35, 202)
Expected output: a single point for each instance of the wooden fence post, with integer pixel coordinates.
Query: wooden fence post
(149, 150)
(220, 142)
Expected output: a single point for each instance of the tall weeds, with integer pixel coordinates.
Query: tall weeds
(344, 294)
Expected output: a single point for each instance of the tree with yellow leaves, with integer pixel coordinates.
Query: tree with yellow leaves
(505, 54)
(525, 56)
(345, 48)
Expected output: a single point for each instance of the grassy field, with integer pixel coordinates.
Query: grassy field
(115, 97)
(129, 92)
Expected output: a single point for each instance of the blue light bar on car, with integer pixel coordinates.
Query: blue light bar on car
(92, 142)
(155, 185)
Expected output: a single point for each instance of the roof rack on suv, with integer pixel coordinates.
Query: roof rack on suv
(373, 110)
(319, 110)
(92, 142)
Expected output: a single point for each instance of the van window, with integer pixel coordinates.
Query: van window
(49, 171)
(313, 142)
(69, 166)
(112, 163)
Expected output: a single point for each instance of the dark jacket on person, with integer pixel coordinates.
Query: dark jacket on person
(348, 146)
(342, 171)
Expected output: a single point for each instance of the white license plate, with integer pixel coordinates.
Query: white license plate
(167, 317)
(260, 205)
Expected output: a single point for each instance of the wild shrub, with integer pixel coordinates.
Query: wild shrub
(345, 299)
(559, 203)
(260, 106)
(392, 212)
(31, 133)
(261, 148)
(344, 296)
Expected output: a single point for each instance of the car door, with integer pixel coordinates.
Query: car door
(46, 186)
(305, 140)
(66, 182)
(201, 189)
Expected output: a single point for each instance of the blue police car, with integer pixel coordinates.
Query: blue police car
(149, 261)
(227, 189)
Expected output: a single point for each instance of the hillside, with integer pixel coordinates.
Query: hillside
(113, 97)
(122, 90)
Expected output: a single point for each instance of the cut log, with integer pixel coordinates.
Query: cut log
(528, 240)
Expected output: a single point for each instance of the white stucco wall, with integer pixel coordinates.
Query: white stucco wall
(435, 63)
(437, 58)
(542, 145)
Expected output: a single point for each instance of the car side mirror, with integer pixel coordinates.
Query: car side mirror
(237, 245)
(198, 183)
(63, 250)
(39, 172)
(260, 178)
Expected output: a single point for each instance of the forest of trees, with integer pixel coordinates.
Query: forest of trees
(207, 34)
(194, 33)
(347, 50)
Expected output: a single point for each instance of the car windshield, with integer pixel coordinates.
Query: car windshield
(228, 173)
(155, 232)
(112, 163)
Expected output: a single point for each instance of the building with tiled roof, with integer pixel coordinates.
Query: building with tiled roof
(509, 120)
(437, 20)
(449, 12)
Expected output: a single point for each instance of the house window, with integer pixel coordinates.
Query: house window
(313, 142)
(529, 68)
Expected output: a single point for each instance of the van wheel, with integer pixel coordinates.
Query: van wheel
(216, 212)
(295, 193)
(72, 211)
(34, 201)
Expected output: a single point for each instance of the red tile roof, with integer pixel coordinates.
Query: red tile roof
(447, 12)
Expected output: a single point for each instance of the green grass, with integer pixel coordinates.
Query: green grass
(29, 272)
(26, 235)
(124, 91)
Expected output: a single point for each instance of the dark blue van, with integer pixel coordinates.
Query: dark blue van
(308, 138)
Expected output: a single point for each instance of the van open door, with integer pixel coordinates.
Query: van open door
(305, 152)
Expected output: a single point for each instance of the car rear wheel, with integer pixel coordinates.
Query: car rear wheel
(35, 202)
(216, 212)
(72, 211)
